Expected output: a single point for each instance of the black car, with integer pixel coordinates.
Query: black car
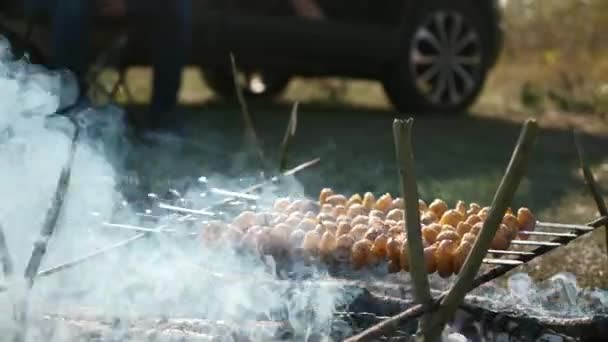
(430, 55)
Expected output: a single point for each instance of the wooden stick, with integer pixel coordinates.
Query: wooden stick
(249, 127)
(590, 180)
(234, 194)
(290, 132)
(507, 252)
(534, 243)
(5, 255)
(409, 191)
(502, 262)
(563, 226)
(91, 256)
(551, 234)
(502, 200)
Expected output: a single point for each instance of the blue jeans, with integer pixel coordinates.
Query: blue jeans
(170, 42)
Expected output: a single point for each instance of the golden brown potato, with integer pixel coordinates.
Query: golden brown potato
(377, 213)
(358, 231)
(324, 194)
(368, 201)
(511, 222)
(526, 220)
(384, 203)
(281, 204)
(438, 207)
(421, 206)
(474, 208)
(244, 220)
(461, 207)
(307, 224)
(463, 228)
(325, 217)
(339, 210)
(372, 234)
(390, 223)
(473, 219)
(428, 217)
(374, 221)
(356, 210)
(330, 226)
(501, 239)
(483, 213)
(320, 229)
(444, 256)
(360, 219)
(461, 254)
(446, 227)
(296, 238)
(379, 246)
(509, 211)
(361, 253)
(343, 229)
(448, 235)
(326, 209)
(293, 221)
(311, 241)
(430, 260)
(282, 230)
(404, 256)
(263, 218)
(327, 244)
(345, 241)
(469, 237)
(396, 215)
(395, 230)
(398, 203)
(477, 227)
(356, 198)
(336, 199)
(393, 249)
(429, 234)
(451, 217)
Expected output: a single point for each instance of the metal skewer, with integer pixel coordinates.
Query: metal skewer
(507, 252)
(535, 243)
(502, 262)
(527, 232)
(564, 226)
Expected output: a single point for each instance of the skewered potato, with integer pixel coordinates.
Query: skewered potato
(451, 217)
(448, 235)
(336, 200)
(398, 203)
(461, 254)
(429, 259)
(422, 205)
(396, 215)
(296, 238)
(360, 219)
(474, 208)
(377, 213)
(327, 243)
(461, 207)
(307, 224)
(311, 241)
(343, 228)
(526, 220)
(293, 221)
(368, 201)
(361, 253)
(463, 228)
(384, 203)
(473, 219)
(330, 226)
(446, 227)
(372, 234)
(483, 213)
(295, 206)
(324, 194)
(511, 222)
(393, 249)
(327, 208)
(429, 234)
(320, 229)
(379, 246)
(428, 218)
(395, 230)
(356, 210)
(338, 210)
(325, 217)
(469, 237)
(404, 256)
(283, 230)
(444, 255)
(438, 207)
(501, 239)
(281, 204)
(356, 198)
(358, 231)
(345, 241)
(476, 228)
(244, 220)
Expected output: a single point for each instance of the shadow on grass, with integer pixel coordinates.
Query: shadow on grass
(458, 156)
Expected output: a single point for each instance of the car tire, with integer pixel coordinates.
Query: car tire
(256, 85)
(445, 60)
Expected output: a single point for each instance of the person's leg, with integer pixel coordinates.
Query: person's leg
(71, 20)
(171, 44)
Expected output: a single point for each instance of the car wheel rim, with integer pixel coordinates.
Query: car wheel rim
(446, 58)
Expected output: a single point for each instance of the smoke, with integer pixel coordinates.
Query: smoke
(159, 275)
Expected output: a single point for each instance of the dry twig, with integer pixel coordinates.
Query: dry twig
(409, 192)
(590, 180)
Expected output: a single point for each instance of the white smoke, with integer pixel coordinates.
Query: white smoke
(155, 276)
